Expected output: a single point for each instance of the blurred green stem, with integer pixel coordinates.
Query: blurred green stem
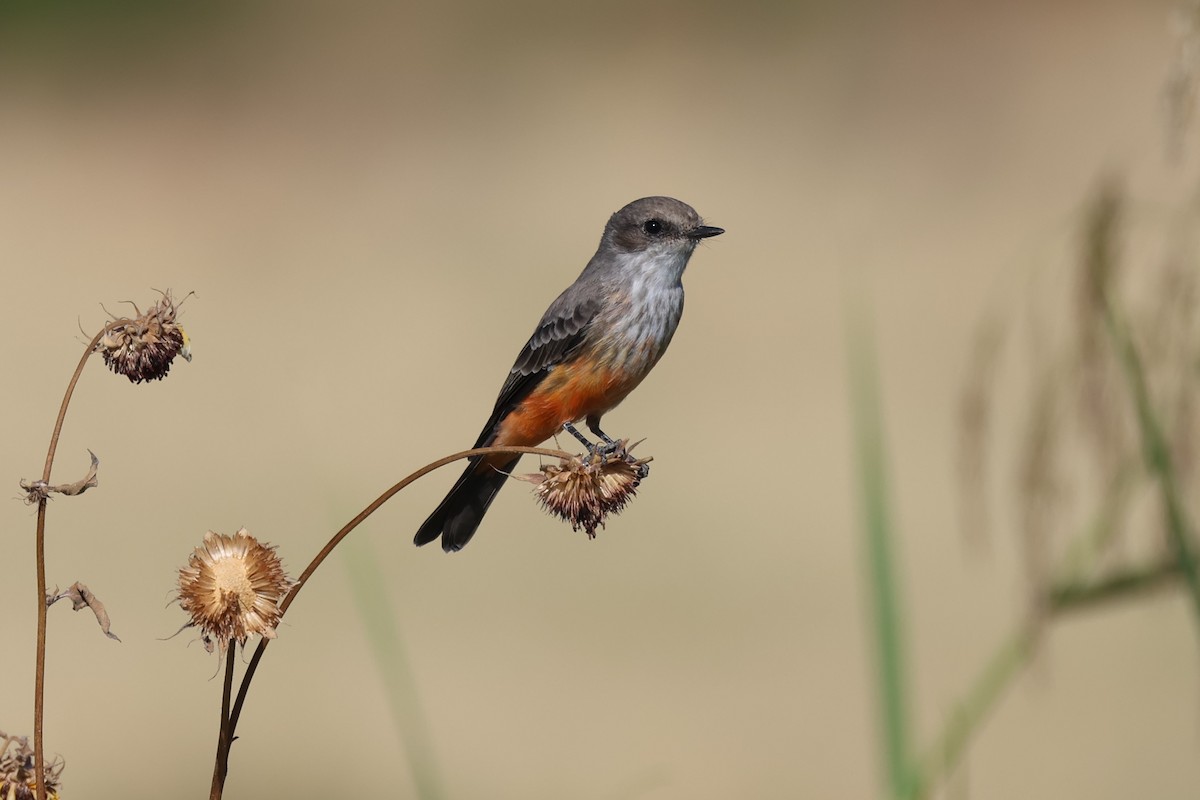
(1071, 596)
(1069, 592)
(395, 671)
(1155, 449)
(908, 776)
(971, 711)
(878, 531)
(1012, 655)
(1078, 560)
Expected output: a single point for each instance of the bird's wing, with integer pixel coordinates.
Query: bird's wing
(557, 338)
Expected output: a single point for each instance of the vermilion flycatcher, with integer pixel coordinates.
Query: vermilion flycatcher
(594, 345)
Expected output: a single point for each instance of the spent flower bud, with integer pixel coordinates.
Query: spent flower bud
(18, 772)
(584, 490)
(231, 589)
(143, 348)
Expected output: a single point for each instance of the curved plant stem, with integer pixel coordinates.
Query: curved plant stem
(1073, 590)
(1012, 655)
(39, 681)
(222, 767)
(1157, 452)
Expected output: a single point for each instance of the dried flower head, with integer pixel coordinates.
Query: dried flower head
(232, 588)
(18, 776)
(143, 348)
(583, 490)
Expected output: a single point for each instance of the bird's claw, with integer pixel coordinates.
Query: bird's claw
(608, 448)
(602, 451)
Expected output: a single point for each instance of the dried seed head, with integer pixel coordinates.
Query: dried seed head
(232, 588)
(143, 348)
(584, 490)
(18, 776)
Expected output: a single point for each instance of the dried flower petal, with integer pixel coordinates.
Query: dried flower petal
(584, 490)
(232, 588)
(142, 349)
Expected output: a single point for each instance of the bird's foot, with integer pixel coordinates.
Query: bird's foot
(596, 451)
(604, 451)
(610, 447)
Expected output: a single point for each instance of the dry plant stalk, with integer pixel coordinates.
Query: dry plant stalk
(232, 585)
(142, 349)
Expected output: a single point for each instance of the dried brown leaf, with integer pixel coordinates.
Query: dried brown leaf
(36, 491)
(80, 486)
(83, 597)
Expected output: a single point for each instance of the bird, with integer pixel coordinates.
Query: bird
(596, 342)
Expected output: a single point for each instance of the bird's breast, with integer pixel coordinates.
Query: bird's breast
(633, 331)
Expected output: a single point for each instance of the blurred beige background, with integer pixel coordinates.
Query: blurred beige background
(374, 203)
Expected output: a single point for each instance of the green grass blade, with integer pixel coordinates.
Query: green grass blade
(387, 645)
(881, 574)
(984, 694)
(1156, 450)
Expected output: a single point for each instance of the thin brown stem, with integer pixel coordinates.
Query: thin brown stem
(39, 677)
(342, 534)
(224, 733)
(62, 411)
(39, 681)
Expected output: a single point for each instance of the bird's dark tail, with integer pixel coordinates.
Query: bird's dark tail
(459, 514)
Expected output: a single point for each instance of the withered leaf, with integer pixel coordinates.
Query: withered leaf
(83, 484)
(36, 491)
(82, 597)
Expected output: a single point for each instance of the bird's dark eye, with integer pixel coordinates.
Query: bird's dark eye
(652, 227)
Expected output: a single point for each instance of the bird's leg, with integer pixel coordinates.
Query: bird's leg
(610, 445)
(569, 428)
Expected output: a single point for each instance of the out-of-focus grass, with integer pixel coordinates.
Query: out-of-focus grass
(387, 644)
(878, 533)
(1156, 451)
(1105, 363)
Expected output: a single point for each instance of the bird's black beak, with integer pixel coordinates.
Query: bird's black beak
(704, 231)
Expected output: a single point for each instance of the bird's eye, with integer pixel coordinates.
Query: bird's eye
(652, 227)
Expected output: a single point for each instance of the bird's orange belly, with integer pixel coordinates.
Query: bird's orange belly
(568, 394)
